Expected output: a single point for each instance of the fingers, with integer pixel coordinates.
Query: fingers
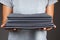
(14, 29)
(2, 26)
(47, 29)
(4, 21)
(54, 26)
(44, 28)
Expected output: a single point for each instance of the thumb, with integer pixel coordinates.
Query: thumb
(54, 26)
(14, 29)
(2, 25)
(44, 28)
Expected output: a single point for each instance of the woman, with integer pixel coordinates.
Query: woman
(27, 7)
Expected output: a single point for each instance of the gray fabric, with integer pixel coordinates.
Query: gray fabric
(28, 35)
(52, 2)
(28, 6)
(6, 2)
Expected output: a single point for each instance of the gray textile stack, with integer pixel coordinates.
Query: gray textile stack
(29, 21)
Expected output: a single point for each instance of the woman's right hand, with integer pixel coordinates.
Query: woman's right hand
(2, 26)
(4, 21)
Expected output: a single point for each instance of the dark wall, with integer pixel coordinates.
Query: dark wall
(52, 35)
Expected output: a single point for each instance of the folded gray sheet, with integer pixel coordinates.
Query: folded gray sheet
(29, 21)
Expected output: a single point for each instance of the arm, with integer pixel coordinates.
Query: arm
(50, 10)
(6, 11)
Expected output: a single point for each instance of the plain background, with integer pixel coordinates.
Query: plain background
(52, 35)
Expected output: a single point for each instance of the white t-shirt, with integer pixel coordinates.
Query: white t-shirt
(28, 6)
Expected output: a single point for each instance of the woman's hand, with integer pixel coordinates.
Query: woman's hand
(12, 29)
(3, 22)
(50, 28)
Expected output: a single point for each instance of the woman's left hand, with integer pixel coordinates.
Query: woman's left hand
(50, 28)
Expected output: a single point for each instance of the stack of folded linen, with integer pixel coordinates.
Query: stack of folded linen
(29, 21)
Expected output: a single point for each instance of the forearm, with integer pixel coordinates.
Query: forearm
(50, 10)
(6, 12)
